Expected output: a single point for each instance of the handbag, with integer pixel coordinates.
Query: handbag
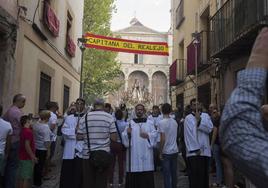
(100, 159)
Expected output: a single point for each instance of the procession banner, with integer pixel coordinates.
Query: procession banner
(123, 45)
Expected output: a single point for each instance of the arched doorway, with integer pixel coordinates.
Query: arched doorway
(159, 88)
(138, 88)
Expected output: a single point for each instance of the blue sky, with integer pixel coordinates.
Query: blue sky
(152, 13)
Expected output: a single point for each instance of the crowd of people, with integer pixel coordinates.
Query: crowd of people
(96, 139)
(140, 142)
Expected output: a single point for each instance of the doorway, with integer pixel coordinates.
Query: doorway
(204, 94)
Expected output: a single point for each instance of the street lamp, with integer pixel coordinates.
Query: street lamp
(81, 44)
(196, 41)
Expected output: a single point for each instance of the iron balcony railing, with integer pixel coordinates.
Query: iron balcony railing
(180, 14)
(235, 20)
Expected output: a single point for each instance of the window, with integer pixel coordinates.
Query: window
(66, 97)
(136, 59)
(180, 14)
(44, 92)
(140, 58)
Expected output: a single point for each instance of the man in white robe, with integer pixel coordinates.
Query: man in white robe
(71, 171)
(197, 127)
(142, 137)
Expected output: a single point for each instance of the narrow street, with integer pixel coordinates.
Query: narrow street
(53, 178)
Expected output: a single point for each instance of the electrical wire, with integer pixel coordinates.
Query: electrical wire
(38, 4)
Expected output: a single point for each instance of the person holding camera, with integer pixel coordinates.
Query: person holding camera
(243, 131)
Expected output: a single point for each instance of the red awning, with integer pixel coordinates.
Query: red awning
(70, 46)
(173, 74)
(191, 57)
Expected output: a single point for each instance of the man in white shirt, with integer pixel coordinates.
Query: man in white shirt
(52, 123)
(168, 128)
(71, 171)
(140, 160)
(197, 127)
(5, 141)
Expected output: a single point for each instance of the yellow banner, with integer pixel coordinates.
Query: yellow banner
(122, 45)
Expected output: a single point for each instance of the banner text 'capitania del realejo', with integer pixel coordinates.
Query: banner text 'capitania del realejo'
(123, 45)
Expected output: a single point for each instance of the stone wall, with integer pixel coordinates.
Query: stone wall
(8, 35)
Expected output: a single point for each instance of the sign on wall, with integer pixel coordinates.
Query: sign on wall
(123, 45)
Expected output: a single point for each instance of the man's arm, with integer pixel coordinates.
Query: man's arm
(68, 131)
(162, 142)
(125, 136)
(242, 134)
(30, 151)
(190, 135)
(205, 125)
(53, 121)
(113, 137)
(113, 132)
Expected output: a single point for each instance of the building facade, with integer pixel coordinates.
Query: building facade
(8, 39)
(144, 77)
(235, 25)
(190, 47)
(217, 35)
(46, 62)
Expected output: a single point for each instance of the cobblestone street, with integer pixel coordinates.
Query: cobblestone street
(52, 180)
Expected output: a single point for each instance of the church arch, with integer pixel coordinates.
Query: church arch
(159, 88)
(139, 77)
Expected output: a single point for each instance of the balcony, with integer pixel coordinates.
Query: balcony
(180, 14)
(203, 7)
(202, 49)
(235, 26)
(177, 72)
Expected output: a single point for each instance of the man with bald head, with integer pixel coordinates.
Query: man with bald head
(13, 116)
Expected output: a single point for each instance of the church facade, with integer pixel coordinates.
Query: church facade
(145, 78)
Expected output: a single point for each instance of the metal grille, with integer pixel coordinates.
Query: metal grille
(234, 20)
